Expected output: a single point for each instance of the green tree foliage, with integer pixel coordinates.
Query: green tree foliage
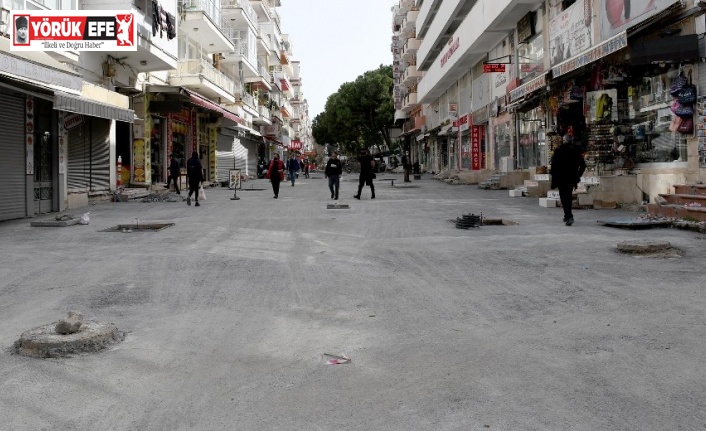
(359, 113)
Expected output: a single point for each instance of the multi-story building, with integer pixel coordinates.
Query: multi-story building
(491, 86)
(208, 76)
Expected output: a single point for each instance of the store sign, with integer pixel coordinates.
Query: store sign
(475, 147)
(599, 51)
(570, 32)
(295, 145)
(453, 46)
(453, 108)
(481, 91)
(72, 120)
(462, 123)
(528, 88)
(73, 30)
(493, 68)
(525, 27)
(619, 15)
(481, 116)
(27, 69)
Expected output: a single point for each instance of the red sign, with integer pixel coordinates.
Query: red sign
(493, 68)
(475, 147)
(295, 144)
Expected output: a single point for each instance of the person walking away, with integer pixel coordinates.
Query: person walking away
(333, 171)
(367, 164)
(275, 172)
(567, 168)
(306, 168)
(405, 166)
(292, 168)
(174, 173)
(194, 176)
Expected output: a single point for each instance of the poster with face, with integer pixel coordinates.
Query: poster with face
(617, 15)
(602, 105)
(570, 32)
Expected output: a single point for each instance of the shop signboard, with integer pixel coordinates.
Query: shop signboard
(481, 91)
(234, 183)
(525, 27)
(599, 51)
(530, 87)
(570, 32)
(475, 147)
(618, 15)
(493, 68)
(462, 123)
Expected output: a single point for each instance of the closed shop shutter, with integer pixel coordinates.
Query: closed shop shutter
(241, 156)
(225, 155)
(251, 159)
(12, 163)
(88, 165)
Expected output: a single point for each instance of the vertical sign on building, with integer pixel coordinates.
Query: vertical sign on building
(29, 135)
(194, 141)
(475, 147)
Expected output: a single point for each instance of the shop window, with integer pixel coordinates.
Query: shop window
(502, 144)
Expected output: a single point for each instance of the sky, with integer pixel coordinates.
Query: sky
(336, 41)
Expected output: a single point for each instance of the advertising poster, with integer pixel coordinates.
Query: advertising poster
(570, 32)
(602, 105)
(617, 15)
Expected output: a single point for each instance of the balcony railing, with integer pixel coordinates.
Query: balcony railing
(263, 112)
(247, 98)
(209, 7)
(241, 4)
(202, 68)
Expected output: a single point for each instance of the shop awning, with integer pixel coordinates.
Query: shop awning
(607, 47)
(81, 105)
(201, 101)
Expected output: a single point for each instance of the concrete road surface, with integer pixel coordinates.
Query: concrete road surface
(536, 326)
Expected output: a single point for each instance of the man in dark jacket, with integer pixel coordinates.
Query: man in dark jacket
(333, 171)
(174, 173)
(367, 164)
(567, 167)
(194, 174)
(292, 168)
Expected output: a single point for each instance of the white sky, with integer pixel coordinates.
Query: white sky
(335, 41)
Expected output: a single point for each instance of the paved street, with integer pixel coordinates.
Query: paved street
(536, 326)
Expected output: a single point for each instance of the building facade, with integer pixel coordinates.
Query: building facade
(493, 85)
(215, 77)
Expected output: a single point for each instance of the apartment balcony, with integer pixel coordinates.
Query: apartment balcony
(409, 20)
(409, 102)
(200, 76)
(239, 13)
(263, 116)
(261, 80)
(154, 52)
(411, 75)
(201, 20)
(263, 7)
(240, 55)
(286, 110)
(264, 44)
(410, 48)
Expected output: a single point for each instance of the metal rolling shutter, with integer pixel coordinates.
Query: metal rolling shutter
(12, 163)
(225, 157)
(241, 156)
(251, 160)
(89, 156)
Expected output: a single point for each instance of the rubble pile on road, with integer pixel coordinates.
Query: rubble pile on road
(162, 197)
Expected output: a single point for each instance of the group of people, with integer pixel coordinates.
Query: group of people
(333, 172)
(567, 164)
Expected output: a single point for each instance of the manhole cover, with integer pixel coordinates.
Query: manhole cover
(139, 227)
(498, 222)
(251, 189)
(45, 342)
(337, 206)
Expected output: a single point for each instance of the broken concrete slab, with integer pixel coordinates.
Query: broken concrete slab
(55, 223)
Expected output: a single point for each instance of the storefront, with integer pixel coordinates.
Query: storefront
(530, 121)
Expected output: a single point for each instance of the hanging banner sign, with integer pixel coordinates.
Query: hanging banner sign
(493, 68)
(475, 147)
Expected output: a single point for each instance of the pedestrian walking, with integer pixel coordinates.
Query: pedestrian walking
(567, 167)
(333, 171)
(292, 168)
(174, 173)
(306, 168)
(367, 165)
(275, 172)
(406, 166)
(194, 176)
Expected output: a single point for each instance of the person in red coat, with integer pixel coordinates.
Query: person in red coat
(275, 172)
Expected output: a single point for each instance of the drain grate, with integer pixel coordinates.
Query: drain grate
(141, 227)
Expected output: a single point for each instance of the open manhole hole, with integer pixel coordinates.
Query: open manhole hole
(139, 227)
(647, 248)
